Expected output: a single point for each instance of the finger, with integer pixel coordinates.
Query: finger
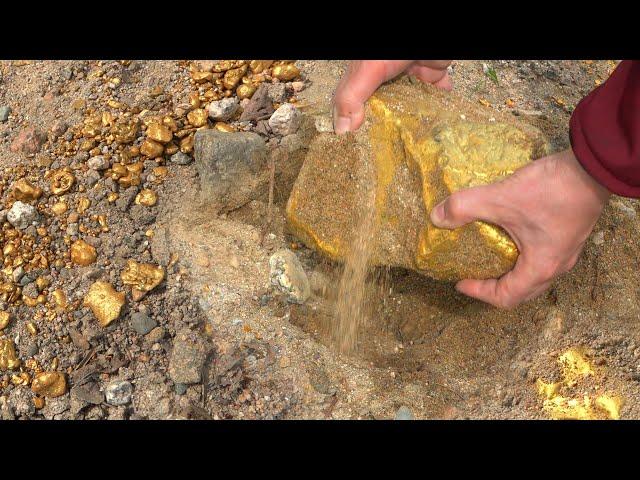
(439, 78)
(522, 283)
(465, 206)
(355, 88)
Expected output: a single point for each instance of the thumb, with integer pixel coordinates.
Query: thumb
(465, 206)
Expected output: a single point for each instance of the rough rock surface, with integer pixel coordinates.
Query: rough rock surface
(285, 120)
(231, 167)
(418, 146)
(187, 357)
(289, 277)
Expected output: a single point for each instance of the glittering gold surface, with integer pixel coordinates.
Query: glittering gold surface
(105, 302)
(159, 133)
(573, 397)
(8, 358)
(142, 277)
(5, 317)
(61, 181)
(412, 133)
(146, 197)
(285, 72)
(49, 384)
(82, 253)
(25, 191)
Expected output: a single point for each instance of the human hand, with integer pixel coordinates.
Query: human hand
(548, 207)
(363, 77)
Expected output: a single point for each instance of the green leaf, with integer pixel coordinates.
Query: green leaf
(491, 73)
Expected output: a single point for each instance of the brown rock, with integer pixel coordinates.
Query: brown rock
(28, 141)
(259, 107)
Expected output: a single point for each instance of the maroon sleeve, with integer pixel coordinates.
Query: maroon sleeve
(605, 131)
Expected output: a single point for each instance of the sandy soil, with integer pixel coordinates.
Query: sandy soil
(429, 349)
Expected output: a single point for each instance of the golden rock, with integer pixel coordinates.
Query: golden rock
(82, 253)
(59, 208)
(223, 65)
(146, 197)
(259, 66)
(169, 122)
(38, 403)
(194, 100)
(8, 358)
(5, 317)
(224, 127)
(159, 133)
(24, 191)
(232, 77)
(31, 328)
(414, 150)
(151, 149)
(61, 181)
(142, 277)
(83, 204)
(59, 298)
(285, 72)
(125, 131)
(201, 76)
(186, 144)
(197, 117)
(245, 91)
(571, 398)
(105, 302)
(49, 384)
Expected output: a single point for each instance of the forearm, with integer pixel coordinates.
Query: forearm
(605, 131)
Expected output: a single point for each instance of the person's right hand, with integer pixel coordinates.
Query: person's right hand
(363, 77)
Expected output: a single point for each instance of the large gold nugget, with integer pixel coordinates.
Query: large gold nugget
(49, 384)
(105, 302)
(417, 146)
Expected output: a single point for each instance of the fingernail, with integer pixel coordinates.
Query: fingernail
(437, 214)
(341, 124)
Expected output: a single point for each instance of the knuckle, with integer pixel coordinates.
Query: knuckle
(455, 205)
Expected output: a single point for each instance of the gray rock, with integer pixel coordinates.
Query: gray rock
(91, 178)
(18, 273)
(187, 357)
(292, 142)
(180, 388)
(142, 323)
(223, 110)
(404, 413)
(288, 276)
(126, 198)
(181, 158)
(277, 92)
(4, 113)
(22, 215)
(118, 393)
(98, 163)
(30, 290)
(231, 167)
(285, 120)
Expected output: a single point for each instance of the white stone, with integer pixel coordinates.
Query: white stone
(285, 120)
(98, 163)
(118, 393)
(288, 276)
(21, 215)
(223, 110)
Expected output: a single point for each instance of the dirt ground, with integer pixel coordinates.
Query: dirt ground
(427, 348)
